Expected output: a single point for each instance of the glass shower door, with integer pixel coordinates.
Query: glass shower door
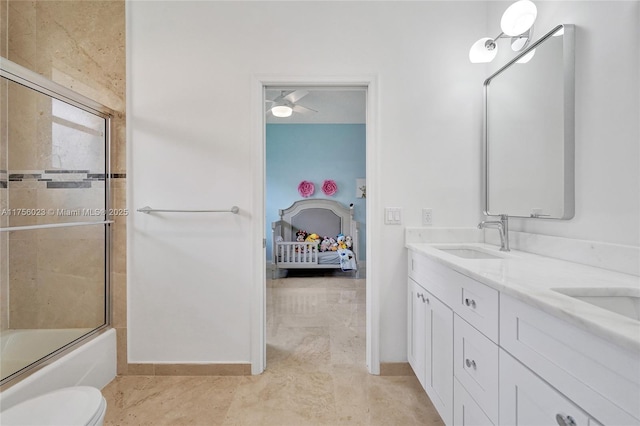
(54, 222)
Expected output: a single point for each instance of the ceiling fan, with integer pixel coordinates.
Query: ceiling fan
(286, 104)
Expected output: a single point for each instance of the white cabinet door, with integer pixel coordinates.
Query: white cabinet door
(476, 366)
(439, 373)
(417, 333)
(467, 412)
(430, 347)
(526, 399)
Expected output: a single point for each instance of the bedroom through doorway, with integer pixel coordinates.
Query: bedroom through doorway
(316, 230)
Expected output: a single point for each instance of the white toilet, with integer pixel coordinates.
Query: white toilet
(73, 406)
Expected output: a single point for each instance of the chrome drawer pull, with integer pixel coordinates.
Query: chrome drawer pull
(470, 302)
(565, 420)
(471, 363)
(425, 299)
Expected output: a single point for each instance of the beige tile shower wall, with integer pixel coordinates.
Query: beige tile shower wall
(56, 278)
(81, 45)
(4, 260)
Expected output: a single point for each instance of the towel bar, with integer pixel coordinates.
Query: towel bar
(147, 210)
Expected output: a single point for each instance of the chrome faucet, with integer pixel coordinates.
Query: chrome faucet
(503, 227)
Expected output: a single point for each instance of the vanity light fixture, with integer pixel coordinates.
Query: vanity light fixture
(516, 24)
(282, 111)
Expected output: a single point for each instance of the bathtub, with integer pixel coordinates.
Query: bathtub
(90, 363)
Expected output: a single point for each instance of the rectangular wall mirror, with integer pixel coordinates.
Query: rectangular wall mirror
(529, 131)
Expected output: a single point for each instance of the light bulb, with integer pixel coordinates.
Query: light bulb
(518, 17)
(480, 53)
(281, 111)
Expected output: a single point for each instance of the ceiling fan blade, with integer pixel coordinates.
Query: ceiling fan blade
(300, 108)
(295, 96)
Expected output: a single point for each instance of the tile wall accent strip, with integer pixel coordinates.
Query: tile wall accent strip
(57, 178)
(22, 176)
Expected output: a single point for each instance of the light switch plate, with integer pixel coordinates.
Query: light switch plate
(393, 215)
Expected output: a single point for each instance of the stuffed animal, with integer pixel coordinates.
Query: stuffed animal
(333, 245)
(340, 240)
(314, 242)
(348, 241)
(312, 238)
(301, 236)
(325, 244)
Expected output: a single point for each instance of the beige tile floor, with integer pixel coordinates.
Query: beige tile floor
(315, 375)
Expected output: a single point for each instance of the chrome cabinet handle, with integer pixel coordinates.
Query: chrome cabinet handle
(471, 363)
(421, 296)
(470, 302)
(565, 420)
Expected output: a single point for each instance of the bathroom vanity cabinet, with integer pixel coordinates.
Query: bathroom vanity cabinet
(431, 346)
(485, 357)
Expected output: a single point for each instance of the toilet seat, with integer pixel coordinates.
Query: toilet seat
(73, 406)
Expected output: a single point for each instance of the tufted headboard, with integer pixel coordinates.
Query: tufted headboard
(324, 217)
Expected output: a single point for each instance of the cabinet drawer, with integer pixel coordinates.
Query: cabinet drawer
(475, 365)
(598, 376)
(434, 277)
(526, 399)
(467, 412)
(479, 305)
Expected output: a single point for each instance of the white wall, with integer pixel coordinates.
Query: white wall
(190, 68)
(607, 117)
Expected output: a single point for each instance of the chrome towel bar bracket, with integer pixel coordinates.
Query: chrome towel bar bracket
(147, 210)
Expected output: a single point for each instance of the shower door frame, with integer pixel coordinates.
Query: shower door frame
(32, 80)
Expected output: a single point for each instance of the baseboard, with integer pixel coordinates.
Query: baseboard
(395, 369)
(148, 369)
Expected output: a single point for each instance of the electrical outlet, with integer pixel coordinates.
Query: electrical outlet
(427, 217)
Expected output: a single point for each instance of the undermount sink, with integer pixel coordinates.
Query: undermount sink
(624, 301)
(470, 253)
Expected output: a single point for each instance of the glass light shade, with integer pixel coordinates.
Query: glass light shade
(518, 17)
(480, 54)
(519, 43)
(526, 58)
(281, 111)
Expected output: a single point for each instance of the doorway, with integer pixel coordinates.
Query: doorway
(315, 146)
(368, 84)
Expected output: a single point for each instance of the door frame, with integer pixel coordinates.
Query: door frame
(373, 232)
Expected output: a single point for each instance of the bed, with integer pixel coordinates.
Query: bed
(322, 217)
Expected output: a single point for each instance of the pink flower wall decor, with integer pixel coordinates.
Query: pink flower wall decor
(306, 188)
(329, 187)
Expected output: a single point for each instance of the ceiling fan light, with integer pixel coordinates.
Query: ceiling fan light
(282, 111)
(518, 17)
(479, 53)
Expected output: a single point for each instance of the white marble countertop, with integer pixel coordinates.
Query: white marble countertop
(532, 278)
